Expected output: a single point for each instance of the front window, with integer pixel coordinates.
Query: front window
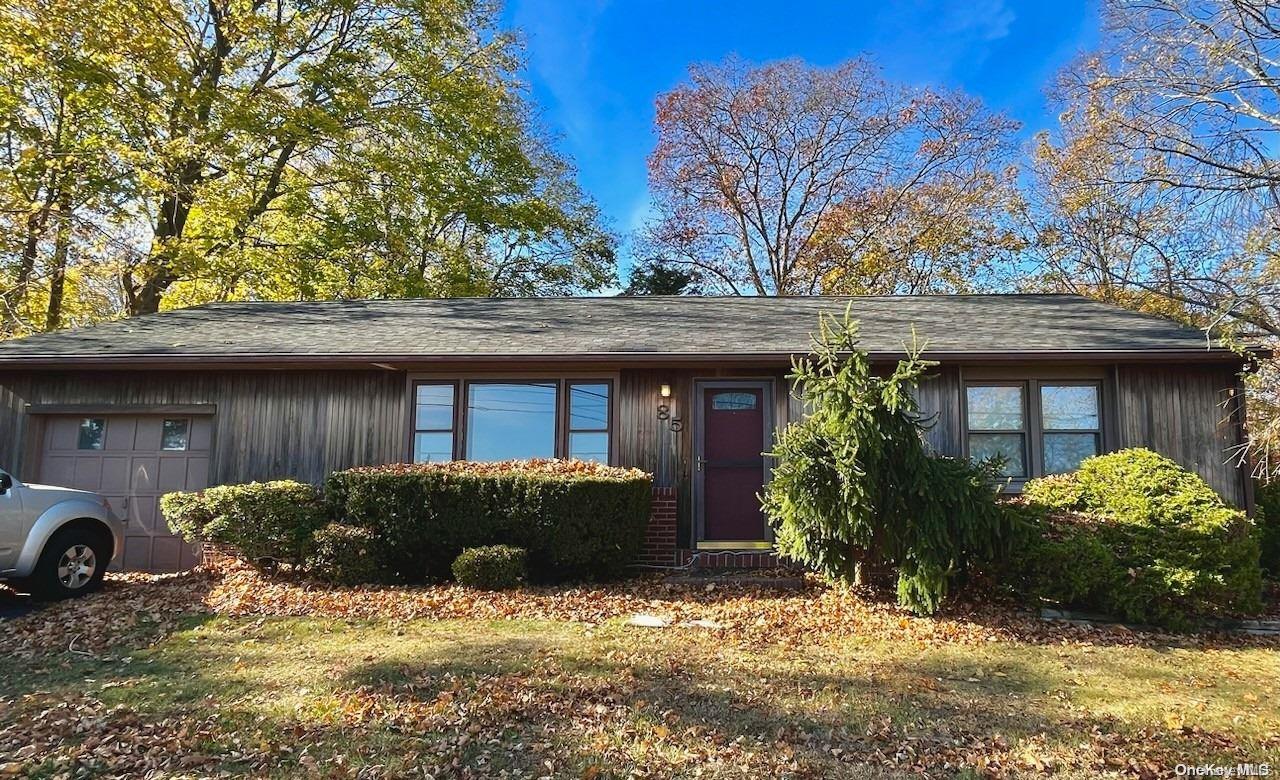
(508, 421)
(1071, 429)
(1052, 435)
(998, 426)
(512, 420)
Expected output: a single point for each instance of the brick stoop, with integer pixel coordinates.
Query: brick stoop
(660, 543)
(660, 536)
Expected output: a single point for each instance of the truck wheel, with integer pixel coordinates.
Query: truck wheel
(72, 564)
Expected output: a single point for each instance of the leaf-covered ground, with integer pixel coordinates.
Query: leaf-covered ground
(230, 673)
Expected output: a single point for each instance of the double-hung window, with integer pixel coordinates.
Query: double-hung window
(589, 421)
(998, 425)
(1070, 425)
(512, 419)
(1037, 427)
(433, 422)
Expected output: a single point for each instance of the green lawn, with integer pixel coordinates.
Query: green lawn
(292, 696)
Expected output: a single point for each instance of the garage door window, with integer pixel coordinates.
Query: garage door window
(92, 431)
(173, 435)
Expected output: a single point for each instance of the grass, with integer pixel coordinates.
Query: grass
(328, 697)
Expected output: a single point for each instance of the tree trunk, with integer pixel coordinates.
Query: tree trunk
(144, 296)
(58, 275)
(36, 223)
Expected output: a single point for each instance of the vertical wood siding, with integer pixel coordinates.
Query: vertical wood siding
(939, 397)
(268, 424)
(1185, 413)
(304, 424)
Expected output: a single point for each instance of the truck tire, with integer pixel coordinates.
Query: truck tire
(72, 564)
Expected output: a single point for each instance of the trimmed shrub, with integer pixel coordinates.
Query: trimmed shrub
(576, 519)
(346, 555)
(267, 522)
(1135, 535)
(1267, 499)
(854, 485)
(496, 567)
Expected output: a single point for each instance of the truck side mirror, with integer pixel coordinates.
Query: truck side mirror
(6, 482)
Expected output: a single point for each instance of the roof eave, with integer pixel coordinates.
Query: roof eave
(270, 360)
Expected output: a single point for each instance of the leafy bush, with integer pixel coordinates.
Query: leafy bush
(346, 555)
(1134, 534)
(576, 519)
(496, 567)
(1267, 498)
(268, 522)
(854, 484)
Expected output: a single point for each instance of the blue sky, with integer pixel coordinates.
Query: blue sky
(595, 67)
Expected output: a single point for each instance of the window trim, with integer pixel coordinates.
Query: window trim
(462, 384)
(1033, 428)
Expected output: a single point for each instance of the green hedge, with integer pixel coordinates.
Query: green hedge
(346, 555)
(577, 520)
(268, 522)
(1267, 498)
(496, 567)
(1135, 535)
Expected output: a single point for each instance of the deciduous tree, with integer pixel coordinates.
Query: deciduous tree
(791, 179)
(1160, 192)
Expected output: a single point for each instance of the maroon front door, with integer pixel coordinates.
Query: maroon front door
(730, 463)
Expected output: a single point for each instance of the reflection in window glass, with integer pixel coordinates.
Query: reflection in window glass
(733, 402)
(995, 408)
(1069, 408)
(1069, 416)
(433, 447)
(1063, 452)
(434, 408)
(173, 435)
(92, 432)
(984, 446)
(588, 407)
(589, 422)
(511, 421)
(589, 445)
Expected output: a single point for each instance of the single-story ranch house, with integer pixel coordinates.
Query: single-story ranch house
(688, 388)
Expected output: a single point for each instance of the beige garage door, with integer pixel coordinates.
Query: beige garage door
(132, 460)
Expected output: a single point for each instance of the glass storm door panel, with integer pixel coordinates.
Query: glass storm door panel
(732, 463)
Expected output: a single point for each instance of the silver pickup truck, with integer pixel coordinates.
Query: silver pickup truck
(55, 542)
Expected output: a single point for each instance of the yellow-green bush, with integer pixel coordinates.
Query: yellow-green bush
(1134, 534)
(267, 522)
